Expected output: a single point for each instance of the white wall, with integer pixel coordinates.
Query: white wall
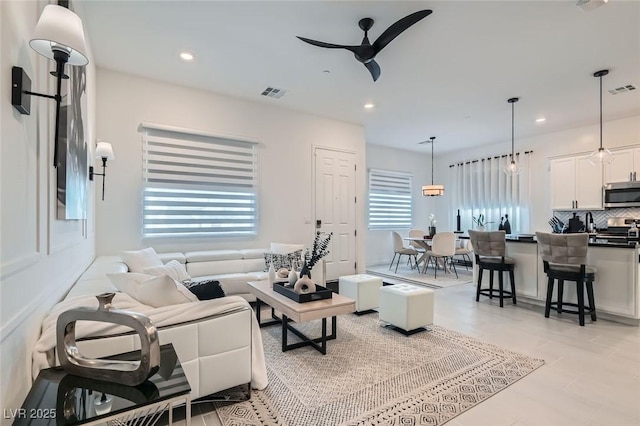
(285, 159)
(379, 246)
(616, 133)
(40, 257)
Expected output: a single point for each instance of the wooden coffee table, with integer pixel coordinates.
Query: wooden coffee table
(301, 312)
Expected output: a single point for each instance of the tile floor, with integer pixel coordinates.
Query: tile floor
(591, 374)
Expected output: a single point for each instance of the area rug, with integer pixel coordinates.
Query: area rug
(412, 276)
(372, 375)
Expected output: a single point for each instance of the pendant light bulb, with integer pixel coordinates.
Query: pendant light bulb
(432, 190)
(513, 168)
(602, 155)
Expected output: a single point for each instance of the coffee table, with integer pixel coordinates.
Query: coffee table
(301, 312)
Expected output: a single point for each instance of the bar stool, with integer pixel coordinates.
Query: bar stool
(564, 257)
(489, 249)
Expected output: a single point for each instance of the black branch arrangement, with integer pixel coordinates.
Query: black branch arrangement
(320, 249)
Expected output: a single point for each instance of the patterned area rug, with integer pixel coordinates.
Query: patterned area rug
(412, 276)
(372, 375)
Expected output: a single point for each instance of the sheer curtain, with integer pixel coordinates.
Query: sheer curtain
(482, 187)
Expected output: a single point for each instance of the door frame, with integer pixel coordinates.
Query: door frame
(314, 149)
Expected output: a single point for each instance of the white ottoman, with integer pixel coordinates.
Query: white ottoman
(407, 307)
(362, 288)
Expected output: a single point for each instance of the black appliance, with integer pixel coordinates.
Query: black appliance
(575, 225)
(622, 194)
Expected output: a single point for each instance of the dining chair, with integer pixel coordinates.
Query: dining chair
(443, 247)
(464, 251)
(419, 246)
(399, 249)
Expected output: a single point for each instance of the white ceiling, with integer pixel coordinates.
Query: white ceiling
(449, 75)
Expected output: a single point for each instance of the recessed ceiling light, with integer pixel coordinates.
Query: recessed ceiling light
(186, 56)
(369, 106)
(541, 120)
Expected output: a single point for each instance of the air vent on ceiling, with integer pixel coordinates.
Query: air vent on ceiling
(272, 92)
(622, 89)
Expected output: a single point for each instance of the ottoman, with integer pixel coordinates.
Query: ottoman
(363, 289)
(407, 307)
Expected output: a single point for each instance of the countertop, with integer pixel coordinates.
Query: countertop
(593, 242)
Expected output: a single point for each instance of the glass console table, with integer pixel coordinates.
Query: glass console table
(58, 398)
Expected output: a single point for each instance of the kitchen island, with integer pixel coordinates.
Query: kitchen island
(616, 288)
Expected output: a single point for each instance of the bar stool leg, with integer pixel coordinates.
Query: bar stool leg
(580, 291)
(513, 286)
(480, 271)
(490, 283)
(560, 293)
(501, 287)
(592, 301)
(547, 306)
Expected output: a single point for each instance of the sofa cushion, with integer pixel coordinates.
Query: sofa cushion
(156, 291)
(215, 267)
(282, 260)
(173, 268)
(166, 257)
(137, 260)
(253, 254)
(282, 248)
(205, 290)
(91, 287)
(204, 256)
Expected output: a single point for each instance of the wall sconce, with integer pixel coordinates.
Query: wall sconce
(59, 36)
(104, 150)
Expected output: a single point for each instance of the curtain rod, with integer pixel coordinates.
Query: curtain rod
(488, 158)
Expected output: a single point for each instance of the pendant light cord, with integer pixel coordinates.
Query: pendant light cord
(512, 131)
(601, 113)
(433, 138)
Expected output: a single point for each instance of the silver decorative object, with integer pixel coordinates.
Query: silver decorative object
(129, 373)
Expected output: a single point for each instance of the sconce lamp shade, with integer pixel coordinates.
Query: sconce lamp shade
(60, 29)
(432, 190)
(104, 150)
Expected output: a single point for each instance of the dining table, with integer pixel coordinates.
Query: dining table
(425, 242)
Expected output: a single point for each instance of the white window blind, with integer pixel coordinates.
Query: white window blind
(390, 205)
(198, 185)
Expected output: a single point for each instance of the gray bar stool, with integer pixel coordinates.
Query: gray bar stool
(490, 249)
(565, 258)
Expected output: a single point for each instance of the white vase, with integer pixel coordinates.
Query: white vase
(304, 285)
(480, 228)
(272, 271)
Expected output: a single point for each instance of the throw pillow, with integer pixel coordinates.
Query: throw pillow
(137, 260)
(281, 260)
(173, 268)
(156, 291)
(205, 290)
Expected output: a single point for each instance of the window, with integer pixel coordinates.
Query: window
(390, 205)
(197, 185)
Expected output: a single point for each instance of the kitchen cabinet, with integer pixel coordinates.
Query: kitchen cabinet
(576, 184)
(625, 162)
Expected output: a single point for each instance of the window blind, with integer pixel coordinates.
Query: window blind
(198, 185)
(390, 201)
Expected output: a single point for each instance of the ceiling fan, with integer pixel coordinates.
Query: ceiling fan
(366, 52)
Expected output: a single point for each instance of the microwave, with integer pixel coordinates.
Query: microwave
(622, 194)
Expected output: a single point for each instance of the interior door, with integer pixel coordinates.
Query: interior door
(335, 208)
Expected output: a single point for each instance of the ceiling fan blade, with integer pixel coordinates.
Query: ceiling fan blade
(353, 49)
(396, 29)
(373, 68)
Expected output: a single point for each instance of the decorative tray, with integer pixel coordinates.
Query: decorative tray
(320, 293)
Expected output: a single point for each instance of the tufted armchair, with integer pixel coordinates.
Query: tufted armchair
(490, 249)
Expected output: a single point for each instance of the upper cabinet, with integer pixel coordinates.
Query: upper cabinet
(576, 184)
(624, 167)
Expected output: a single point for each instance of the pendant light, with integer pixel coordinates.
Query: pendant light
(432, 190)
(601, 155)
(513, 168)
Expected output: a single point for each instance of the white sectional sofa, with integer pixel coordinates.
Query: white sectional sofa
(217, 341)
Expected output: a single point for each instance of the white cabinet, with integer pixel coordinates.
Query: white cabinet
(576, 184)
(625, 162)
